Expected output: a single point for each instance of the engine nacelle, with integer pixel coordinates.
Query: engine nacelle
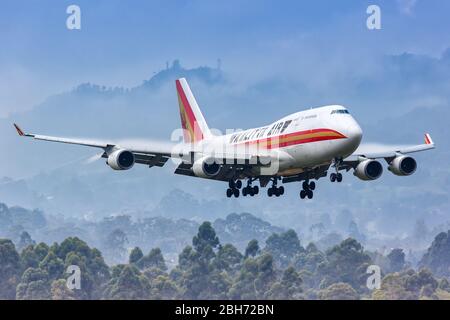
(121, 159)
(206, 167)
(403, 166)
(368, 170)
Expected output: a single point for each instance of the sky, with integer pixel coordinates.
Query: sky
(122, 43)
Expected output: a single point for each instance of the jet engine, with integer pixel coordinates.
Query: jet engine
(121, 159)
(206, 167)
(368, 170)
(403, 166)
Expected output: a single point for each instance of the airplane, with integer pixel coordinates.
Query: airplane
(301, 147)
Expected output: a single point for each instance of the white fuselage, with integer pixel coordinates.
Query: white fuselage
(299, 141)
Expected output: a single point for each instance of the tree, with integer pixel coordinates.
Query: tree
(346, 262)
(444, 285)
(310, 259)
(288, 288)
(228, 258)
(59, 291)
(34, 285)
(255, 279)
(244, 287)
(437, 257)
(9, 269)
(128, 284)
(396, 260)
(339, 291)
(200, 279)
(25, 241)
(407, 285)
(205, 238)
(164, 288)
(29, 258)
(115, 245)
(284, 247)
(154, 259)
(252, 248)
(53, 265)
(135, 255)
(94, 271)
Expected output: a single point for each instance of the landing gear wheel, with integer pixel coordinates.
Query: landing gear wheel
(305, 185)
(302, 194)
(281, 190)
(276, 192)
(238, 184)
(236, 193)
(250, 192)
(339, 177)
(231, 184)
(255, 189)
(229, 193)
(270, 192)
(309, 194)
(244, 192)
(333, 177)
(312, 185)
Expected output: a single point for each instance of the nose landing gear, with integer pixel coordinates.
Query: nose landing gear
(336, 176)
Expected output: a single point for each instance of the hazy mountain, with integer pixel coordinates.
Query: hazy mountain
(59, 180)
(147, 232)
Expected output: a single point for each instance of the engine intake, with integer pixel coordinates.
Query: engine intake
(121, 160)
(206, 167)
(403, 166)
(368, 170)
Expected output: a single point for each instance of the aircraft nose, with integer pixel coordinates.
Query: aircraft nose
(354, 133)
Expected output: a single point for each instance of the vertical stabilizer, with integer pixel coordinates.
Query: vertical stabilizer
(192, 120)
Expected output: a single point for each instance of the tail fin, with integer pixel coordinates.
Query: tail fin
(192, 120)
(428, 139)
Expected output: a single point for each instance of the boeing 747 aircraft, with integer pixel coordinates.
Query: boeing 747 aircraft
(300, 147)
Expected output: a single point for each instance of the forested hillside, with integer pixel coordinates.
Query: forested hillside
(280, 268)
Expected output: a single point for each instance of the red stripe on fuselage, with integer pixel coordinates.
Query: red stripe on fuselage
(302, 141)
(277, 141)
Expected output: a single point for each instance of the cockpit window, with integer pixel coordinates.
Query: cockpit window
(342, 111)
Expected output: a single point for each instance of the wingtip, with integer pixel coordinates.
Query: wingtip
(428, 139)
(19, 131)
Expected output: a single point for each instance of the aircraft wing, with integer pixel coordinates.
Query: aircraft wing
(376, 151)
(152, 154)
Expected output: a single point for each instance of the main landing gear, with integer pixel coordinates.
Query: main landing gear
(308, 188)
(234, 187)
(249, 190)
(274, 190)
